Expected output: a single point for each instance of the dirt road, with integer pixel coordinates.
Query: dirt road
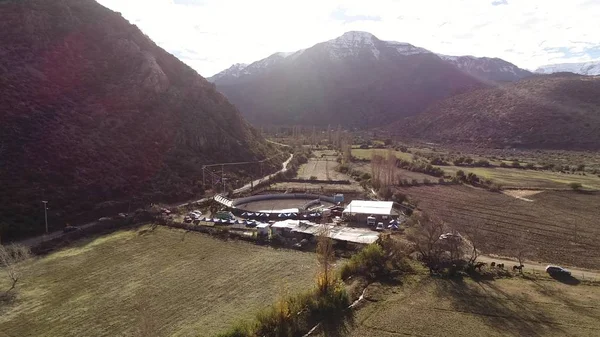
(581, 274)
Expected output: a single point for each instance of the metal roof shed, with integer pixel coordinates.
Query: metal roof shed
(369, 207)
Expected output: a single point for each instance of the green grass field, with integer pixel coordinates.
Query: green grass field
(168, 281)
(504, 307)
(528, 178)
(368, 153)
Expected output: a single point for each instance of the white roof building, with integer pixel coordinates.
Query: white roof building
(369, 207)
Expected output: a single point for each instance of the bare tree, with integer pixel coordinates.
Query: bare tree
(326, 259)
(426, 236)
(10, 256)
(523, 251)
(475, 241)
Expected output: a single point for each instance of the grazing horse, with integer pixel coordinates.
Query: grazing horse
(479, 265)
(500, 265)
(493, 264)
(519, 267)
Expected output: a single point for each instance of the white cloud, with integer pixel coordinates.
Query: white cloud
(217, 33)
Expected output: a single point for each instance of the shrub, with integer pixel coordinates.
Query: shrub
(343, 168)
(414, 182)
(459, 161)
(575, 186)
(369, 262)
(399, 197)
(385, 193)
(365, 176)
(441, 181)
(515, 164)
(426, 181)
(438, 161)
(460, 174)
(530, 166)
(482, 163)
(503, 164)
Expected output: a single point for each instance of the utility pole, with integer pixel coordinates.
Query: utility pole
(223, 177)
(46, 213)
(203, 181)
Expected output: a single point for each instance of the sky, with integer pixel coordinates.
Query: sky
(211, 35)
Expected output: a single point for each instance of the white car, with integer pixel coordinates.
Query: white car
(380, 226)
(556, 270)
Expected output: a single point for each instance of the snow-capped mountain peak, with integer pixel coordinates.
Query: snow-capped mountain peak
(365, 46)
(351, 44)
(583, 68)
(354, 42)
(486, 68)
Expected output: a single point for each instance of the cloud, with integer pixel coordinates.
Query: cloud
(499, 2)
(341, 15)
(222, 32)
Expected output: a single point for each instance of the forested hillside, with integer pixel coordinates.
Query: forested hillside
(94, 115)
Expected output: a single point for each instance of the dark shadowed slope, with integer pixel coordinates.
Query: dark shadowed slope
(355, 80)
(92, 110)
(556, 111)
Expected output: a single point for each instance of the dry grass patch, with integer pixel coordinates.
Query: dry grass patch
(506, 307)
(168, 281)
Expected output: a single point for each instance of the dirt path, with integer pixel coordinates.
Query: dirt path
(581, 274)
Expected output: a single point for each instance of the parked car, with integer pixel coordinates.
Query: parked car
(224, 215)
(69, 229)
(556, 270)
(380, 226)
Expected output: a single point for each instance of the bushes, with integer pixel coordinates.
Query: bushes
(295, 315)
(438, 161)
(575, 186)
(482, 163)
(343, 168)
(399, 197)
(377, 260)
(385, 193)
(368, 263)
(416, 166)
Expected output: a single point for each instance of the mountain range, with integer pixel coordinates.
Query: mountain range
(355, 80)
(559, 111)
(95, 115)
(584, 68)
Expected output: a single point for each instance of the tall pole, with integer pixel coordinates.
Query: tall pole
(223, 177)
(46, 214)
(203, 180)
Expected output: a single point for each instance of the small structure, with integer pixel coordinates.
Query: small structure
(338, 198)
(360, 210)
(263, 229)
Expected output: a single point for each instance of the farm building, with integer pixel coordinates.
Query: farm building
(360, 210)
(306, 229)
